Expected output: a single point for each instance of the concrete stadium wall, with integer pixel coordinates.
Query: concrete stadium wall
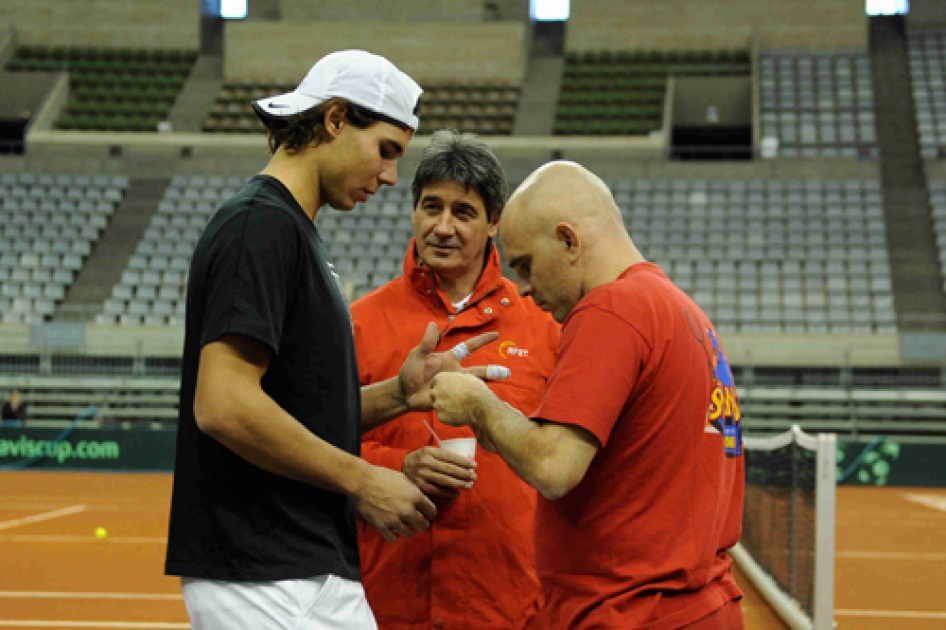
(7, 43)
(390, 11)
(925, 14)
(104, 23)
(160, 155)
(53, 103)
(935, 169)
(693, 24)
(271, 51)
(515, 10)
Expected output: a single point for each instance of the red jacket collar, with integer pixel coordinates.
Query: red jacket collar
(424, 280)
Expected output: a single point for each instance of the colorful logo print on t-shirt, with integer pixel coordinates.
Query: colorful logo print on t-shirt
(725, 415)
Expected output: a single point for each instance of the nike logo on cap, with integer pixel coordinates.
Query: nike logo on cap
(276, 105)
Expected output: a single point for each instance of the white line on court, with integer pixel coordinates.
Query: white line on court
(133, 540)
(86, 595)
(45, 516)
(29, 623)
(935, 501)
(92, 505)
(33, 506)
(888, 555)
(891, 614)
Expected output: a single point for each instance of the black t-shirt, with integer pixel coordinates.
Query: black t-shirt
(260, 270)
(9, 413)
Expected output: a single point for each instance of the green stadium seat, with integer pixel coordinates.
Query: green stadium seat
(83, 122)
(66, 121)
(623, 91)
(480, 107)
(128, 88)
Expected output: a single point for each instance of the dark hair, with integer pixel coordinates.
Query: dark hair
(295, 133)
(464, 159)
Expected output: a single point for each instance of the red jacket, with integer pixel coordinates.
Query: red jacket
(474, 569)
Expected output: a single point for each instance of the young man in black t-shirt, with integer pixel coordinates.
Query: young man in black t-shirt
(268, 482)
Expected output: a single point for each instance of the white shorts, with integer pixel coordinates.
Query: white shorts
(326, 602)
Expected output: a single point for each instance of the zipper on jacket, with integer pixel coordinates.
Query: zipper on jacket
(468, 307)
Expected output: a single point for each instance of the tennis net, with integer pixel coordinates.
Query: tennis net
(787, 545)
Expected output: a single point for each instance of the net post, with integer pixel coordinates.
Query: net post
(824, 532)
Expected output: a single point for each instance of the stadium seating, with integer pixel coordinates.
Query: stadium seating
(845, 410)
(49, 225)
(126, 402)
(483, 108)
(368, 248)
(622, 93)
(135, 402)
(152, 285)
(927, 52)
(769, 256)
(112, 89)
(818, 104)
(759, 256)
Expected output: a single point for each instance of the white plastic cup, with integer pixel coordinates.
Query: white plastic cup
(460, 446)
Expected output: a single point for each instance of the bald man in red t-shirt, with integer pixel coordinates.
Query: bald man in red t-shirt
(636, 447)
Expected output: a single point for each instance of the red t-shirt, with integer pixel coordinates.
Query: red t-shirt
(641, 542)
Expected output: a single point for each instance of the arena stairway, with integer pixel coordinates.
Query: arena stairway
(915, 275)
(104, 266)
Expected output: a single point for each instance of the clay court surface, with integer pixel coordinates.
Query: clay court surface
(55, 573)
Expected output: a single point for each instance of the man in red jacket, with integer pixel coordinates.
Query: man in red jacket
(637, 446)
(474, 569)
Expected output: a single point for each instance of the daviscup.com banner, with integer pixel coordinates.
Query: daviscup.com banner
(25, 448)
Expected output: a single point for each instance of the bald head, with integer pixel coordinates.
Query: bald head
(563, 235)
(562, 192)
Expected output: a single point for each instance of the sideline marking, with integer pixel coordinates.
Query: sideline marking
(893, 614)
(935, 501)
(88, 595)
(890, 555)
(45, 516)
(92, 624)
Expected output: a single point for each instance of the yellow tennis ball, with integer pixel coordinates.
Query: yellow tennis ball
(100, 532)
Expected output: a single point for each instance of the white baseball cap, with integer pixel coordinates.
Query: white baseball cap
(360, 77)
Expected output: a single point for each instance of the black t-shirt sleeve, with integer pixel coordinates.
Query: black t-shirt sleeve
(250, 271)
